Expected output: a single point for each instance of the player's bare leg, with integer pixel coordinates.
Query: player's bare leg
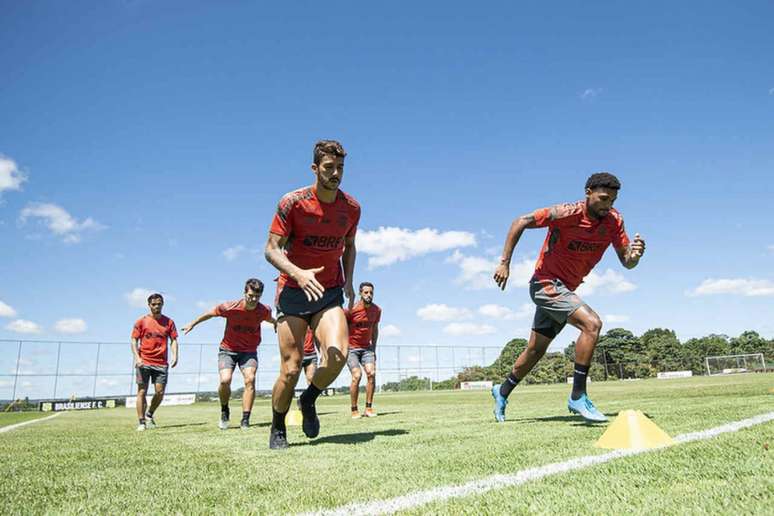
(248, 373)
(158, 397)
(354, 391)
(309, 370)
(589, 323)
(224, 393)
(290, 335)
(370, 371)
(141, 392)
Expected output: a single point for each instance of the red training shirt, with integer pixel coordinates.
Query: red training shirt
(243, 326)
(309, 348)
(315, 231)
(575, 242)
(361, 321)
(153, 334)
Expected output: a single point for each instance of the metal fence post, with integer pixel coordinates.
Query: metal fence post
(399, 375)
(199, 373)
(56, 377)
(96, 371)
(16, 376)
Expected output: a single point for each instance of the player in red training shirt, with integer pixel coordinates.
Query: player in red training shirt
(149, 349)
(309, 362)
(311, 237)
(578, 235)
(239, 346)
(363, 320)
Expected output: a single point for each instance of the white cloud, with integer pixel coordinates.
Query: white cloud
(590, 93)
(477, 273)
(443, 313)
(59, 221)
(11, 178)
(613, 319)
(6, 310)
(458, 329)
(505, 313)
(749, 287)
(22, 326)
(232, 253)
(70, 326)
(389, 330)
(771, 248)
(388, 245)
(609, 282)
(138, 297)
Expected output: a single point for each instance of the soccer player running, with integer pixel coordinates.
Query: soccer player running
(239, 346)
(311, 236)
(578, 235)
(150, 336)
(363, 320)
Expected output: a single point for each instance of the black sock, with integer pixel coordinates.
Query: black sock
(309, 396)
(354, 408)
(225, 411)
(508, 385)
(149, 415)
(142, 420)
(579, 380)
(278, 420)
(246, 415)
(368, 405)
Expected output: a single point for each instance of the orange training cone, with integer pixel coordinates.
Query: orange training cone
(633, 430)
(293, 418)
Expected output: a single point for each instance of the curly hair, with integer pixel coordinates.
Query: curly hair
(254, 284)
(329, 147)
(603, 180)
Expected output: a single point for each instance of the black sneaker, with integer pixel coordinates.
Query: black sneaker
(278, 439)
(310, 423)
(245, 424)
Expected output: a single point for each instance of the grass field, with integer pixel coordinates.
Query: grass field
(95, 461)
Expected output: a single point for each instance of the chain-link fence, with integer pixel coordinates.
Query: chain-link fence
(62, 369)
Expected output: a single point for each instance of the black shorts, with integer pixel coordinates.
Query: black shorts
(152, 374)
(230, 359)
(308, 360)
(292, 301)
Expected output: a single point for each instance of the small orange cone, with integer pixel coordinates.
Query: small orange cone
(633, 430)
(771, 391)
(293, 418)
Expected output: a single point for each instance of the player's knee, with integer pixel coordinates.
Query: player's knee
(595, 324)
(225, 381)
(356, 375)
(371, 376)
(250, 382)
(291, 373)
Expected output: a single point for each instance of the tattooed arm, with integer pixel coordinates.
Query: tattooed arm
(514, 234)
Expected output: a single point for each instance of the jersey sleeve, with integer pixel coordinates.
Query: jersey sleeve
(265, 313)
(355, 221)
(221, 309)
(620, 238)
(554, 215)
(172, 331)
(282, 222)
(348, 315)
(137, 330)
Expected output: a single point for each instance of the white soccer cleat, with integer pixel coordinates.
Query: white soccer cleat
(223, 424)
(150, 423)
(141, 427)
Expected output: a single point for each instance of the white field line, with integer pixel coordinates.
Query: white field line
(476, 487)
(18, 425)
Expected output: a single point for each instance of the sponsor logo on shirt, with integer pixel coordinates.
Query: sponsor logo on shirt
(584, 247)
(324, 242)
(154, 335)
(252, 330)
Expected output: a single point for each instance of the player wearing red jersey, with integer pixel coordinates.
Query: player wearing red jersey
(149, 349)
(239, 346)
(578, 235)
(363, 320)
(311, 237)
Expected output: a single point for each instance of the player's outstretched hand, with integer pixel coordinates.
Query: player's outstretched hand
(349, 292)
(308, 282)
(501, 275)
(638, 246)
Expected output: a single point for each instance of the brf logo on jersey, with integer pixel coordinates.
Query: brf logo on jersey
(324, 242)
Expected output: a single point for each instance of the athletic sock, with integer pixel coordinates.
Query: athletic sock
(246, 415)
(278, 420)
(224, 411)
(369, 405)
(142, 420)
(309, 396)
(579, 380)
(354, 408)
(149, 415)
(508, 385)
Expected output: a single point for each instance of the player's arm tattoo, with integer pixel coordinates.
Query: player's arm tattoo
(514, 234)
(275, 255)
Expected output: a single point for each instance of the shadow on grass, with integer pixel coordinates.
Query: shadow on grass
(380, 414)
(573, 419)
(360, 437)
(165, 427)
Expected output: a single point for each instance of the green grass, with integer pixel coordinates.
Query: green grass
(95, 461)
(11, 418)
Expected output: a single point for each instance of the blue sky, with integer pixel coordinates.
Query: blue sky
(145, 146)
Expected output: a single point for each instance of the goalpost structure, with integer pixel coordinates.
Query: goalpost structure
(730, 364)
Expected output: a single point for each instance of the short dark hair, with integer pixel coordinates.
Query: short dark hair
(324, 147)
(365, 284)
(254, 284)
(155, 296)
(603, 180)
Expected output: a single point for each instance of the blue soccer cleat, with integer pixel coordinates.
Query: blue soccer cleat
(500, 403)
(586, 409)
